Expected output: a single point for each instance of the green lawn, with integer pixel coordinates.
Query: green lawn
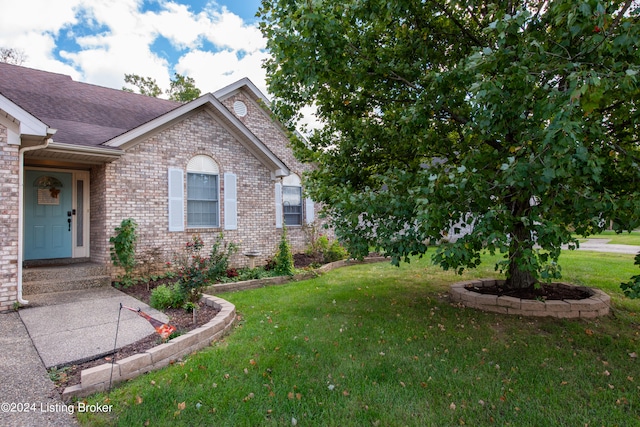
(379, 345)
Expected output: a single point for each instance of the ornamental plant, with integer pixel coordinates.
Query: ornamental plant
(123, 249)
(196, 271)
(284, 258)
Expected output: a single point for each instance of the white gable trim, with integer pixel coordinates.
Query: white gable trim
(233, 88)
(254, 95)
(24, 123)
(215, 108)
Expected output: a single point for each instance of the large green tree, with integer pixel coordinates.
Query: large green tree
(517, 117)
(181, 88)
(146, 85)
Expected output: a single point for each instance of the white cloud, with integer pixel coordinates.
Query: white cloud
(178, 24)
(20, 17)
(114, 37)
(214, 70)
(229, 31)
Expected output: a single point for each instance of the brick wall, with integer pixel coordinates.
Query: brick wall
(98, 235)
(136, 186)
(9, 169)
(271, 134)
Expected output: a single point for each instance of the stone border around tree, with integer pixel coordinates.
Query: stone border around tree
(97, 379)
(589, 308)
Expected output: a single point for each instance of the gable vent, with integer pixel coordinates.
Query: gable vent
(240, 108)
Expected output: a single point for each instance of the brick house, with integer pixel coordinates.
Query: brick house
(76, 159)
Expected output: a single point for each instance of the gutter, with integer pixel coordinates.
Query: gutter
(21, 208)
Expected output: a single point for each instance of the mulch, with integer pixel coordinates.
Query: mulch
(541, 292)
(182, 320)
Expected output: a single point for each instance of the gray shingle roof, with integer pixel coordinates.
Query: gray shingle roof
(83, 114)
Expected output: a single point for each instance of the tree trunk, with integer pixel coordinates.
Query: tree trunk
(521, 241)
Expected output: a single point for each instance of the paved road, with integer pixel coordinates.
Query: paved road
(601, 245)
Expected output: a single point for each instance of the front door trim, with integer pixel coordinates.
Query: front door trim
(80, 234)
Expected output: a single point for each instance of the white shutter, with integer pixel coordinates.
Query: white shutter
(176, 200)
(230, 202)
(310, 210)
(278, 205)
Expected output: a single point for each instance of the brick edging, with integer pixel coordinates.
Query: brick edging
(595, 306)
(279, 280)
(96, 379)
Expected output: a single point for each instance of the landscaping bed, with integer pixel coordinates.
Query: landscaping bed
(380, 345)
(69, 375)
(183, 321)
(559, 300)
(544, 291)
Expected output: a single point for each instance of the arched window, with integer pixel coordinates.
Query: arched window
(292, 199)
(203, 193)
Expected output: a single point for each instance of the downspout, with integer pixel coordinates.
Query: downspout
(21, 211)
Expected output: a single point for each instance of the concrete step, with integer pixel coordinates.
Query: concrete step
(40, 280)
(63, 272)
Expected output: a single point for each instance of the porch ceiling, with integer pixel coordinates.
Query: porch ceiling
(75, 153)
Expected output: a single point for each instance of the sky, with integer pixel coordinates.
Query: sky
(216, 42)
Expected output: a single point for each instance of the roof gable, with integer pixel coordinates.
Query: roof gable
(97, 118)
(219, 112)
(243, 84)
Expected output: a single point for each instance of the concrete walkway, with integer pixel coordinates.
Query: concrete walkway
(59, 328)
(76, 326)
(24, 381)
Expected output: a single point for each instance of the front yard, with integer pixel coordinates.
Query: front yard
(378, 345)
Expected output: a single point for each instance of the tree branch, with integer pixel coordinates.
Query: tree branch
(461, 26)
(611, 28)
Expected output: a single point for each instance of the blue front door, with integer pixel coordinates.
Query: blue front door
(48, 198)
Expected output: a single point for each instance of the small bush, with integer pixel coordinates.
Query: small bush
(284, 257)
(329, 250)
(196, 271)
(254, 273)
(123, 249)
(164, 297)
(270, 265)
(335, 252)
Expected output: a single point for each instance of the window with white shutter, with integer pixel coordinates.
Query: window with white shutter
(230, 202)
(176, 200)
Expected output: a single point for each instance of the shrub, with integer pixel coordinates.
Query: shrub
(329, 250)
(196, 271)
(270, 265)
(164, 297)
(335, 252)
(123, 249)
(284, 257)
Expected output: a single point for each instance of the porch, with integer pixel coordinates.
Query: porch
(42, 279)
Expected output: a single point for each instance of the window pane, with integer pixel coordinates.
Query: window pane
(292, 195)
(80, 213)
(292, 205)
(202, 200)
